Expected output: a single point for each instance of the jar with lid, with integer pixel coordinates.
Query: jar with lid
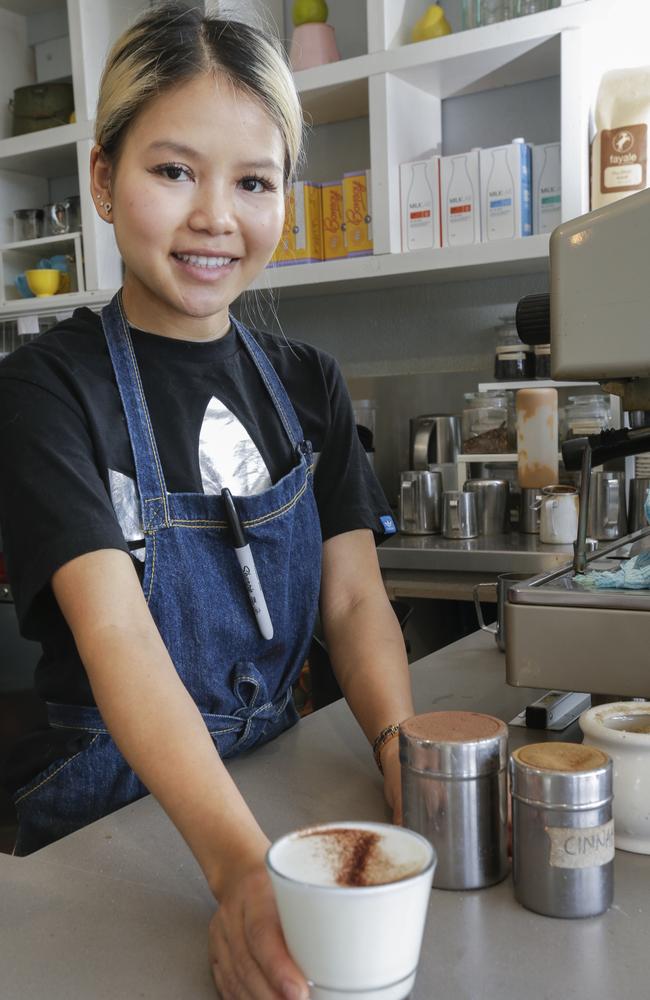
(454, 793)
(584, 415)
(513, 359)
(562, 829)
(542, 361)
(487, 424)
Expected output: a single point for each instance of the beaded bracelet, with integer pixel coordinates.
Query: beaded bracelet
(385, 736)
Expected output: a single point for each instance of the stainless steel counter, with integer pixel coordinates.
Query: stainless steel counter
(120, 909)
(507, 553)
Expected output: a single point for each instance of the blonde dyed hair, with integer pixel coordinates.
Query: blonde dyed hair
(172, 44)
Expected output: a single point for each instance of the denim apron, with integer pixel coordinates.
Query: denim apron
(241, 682)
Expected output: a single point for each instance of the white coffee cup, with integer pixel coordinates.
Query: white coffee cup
(558, 516)
(352, 899)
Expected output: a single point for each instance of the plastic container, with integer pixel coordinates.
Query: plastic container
(537, 437)
(486, 424)
(584, 415)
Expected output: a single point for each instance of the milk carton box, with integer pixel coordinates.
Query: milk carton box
(419, 183)
(506, 204)
(302, 236)
(333, 229)
(357, 213)
(460, 199)
(547, 187)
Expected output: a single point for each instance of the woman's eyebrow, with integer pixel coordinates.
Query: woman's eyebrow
(181, 149)
(264, 164)
(176, 147)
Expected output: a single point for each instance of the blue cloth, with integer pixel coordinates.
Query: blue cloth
(633, 574)
(241, 683)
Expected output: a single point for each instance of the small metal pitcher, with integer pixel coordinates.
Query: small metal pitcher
(419, 502)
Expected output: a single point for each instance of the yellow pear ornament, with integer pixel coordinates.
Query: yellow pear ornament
(432, 24)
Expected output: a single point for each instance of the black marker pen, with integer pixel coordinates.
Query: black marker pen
(245, 559)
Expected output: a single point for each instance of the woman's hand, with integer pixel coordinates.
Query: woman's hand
(392, 779)
(247, 949)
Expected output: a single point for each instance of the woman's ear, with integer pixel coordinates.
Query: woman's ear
(100, 182)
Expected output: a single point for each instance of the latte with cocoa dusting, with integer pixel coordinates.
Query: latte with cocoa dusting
(356, 857)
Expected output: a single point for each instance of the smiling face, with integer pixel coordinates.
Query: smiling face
(197, 204)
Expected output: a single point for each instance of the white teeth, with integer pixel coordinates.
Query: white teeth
(203, 261)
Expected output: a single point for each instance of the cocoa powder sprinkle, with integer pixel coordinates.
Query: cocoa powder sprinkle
(356, 859)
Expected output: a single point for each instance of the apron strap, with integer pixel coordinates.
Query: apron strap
(274, 386)
(148, 467)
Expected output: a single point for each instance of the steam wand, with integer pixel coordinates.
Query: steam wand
(580, 544)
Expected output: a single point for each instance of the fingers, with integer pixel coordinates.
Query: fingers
(249, 956)
(264, 938)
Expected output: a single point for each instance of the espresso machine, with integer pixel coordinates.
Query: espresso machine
(561, 633)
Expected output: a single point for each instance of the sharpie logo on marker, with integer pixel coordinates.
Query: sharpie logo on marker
(247, 564)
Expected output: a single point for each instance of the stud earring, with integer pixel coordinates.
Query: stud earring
(108, 207)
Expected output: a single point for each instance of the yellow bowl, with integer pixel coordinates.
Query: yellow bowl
(44, 281)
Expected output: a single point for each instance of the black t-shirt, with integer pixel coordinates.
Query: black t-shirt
(67, 478)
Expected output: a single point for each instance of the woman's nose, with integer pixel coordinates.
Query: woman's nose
(213, 211)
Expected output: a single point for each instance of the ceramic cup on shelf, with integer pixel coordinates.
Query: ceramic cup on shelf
(558, 516)
(313, 44)
(43, 281)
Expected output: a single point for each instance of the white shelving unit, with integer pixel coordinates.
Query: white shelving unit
(17, 257)
(395, 89)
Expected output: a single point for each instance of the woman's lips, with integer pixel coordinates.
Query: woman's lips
(204, 272)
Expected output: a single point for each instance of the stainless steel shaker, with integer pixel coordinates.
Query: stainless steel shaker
(459, 518)
(491, 504)
(420, 498)
(454, 793)
(607, 509)
(636, 517)
(562, 829)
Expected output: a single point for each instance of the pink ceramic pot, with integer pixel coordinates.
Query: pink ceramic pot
(313, 45)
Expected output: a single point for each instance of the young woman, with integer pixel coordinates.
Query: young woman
(119, 434)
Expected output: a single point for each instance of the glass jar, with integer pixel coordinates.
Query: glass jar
(487, 425)
(584, 415)
(476, 13)
(513, 359)
(542, 361)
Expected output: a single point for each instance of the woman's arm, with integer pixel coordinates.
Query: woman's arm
(159, 730)
(366, 645)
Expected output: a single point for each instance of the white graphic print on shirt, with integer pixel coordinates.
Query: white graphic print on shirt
(228, 457)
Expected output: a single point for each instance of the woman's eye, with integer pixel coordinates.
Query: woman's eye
(173, 171)
(257, 184)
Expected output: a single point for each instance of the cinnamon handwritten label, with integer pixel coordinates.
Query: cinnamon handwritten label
(588, 847)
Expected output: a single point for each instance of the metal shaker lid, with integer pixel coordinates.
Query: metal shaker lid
(562, 775)
(453, 744)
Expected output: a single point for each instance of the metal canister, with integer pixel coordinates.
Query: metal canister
(454, 793)
(562, 829)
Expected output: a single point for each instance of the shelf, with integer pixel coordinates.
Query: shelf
(52, 305)
(497, 55)
(481, 260)
(337, 91)
(505, 458)
(24, 153)
(538, 383)
(40, 243)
